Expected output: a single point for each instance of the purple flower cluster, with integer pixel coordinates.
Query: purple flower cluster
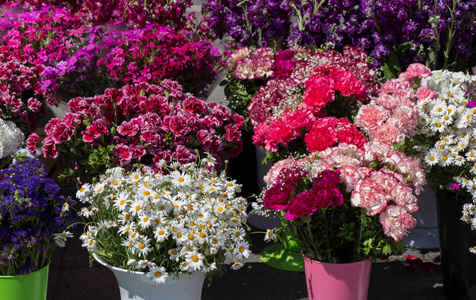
(410, 31)
(256, 23)
(393, 32)
(31, 212)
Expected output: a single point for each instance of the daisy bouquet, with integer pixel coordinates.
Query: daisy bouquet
(34, 217)
(139, 123)
(187, 218)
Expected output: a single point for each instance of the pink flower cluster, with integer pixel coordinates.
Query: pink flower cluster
(262, 63)
(287, 107)
(21, 100)
(393, 115)
(376, 178)
(142, 123)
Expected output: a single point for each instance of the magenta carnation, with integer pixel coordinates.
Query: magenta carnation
(141, 123)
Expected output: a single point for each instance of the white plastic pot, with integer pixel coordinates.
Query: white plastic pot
(137, 286)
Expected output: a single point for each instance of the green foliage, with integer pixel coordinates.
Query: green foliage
(239, 93)
(340, 235)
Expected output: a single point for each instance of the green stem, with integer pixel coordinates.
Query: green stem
(451, 34)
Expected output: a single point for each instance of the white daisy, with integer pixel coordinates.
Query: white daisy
(144, 263)
(158, 274)
(60, 238)
(194, 260)
(142, 246)
(145, 221)
(270, 235)
(236, 265)
(174, 254)
(180, 179)
(161, 233)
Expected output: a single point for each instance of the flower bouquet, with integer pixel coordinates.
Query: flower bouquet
(286, 112)
(186, 218)
(33, 218)
(139, 123)
(442, 137)
(345, 204)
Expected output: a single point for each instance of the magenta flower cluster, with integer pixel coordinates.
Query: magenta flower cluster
(81, 60)
(140, 13)
(143, 123)
(21, 98)
(154, 53)
(45, 36)
(286, 192)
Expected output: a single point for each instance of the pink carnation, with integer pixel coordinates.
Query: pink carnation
(368, 193)
(122, 155)
(278, 133)
(396, 222)
(415, 70)
(388, 102)
(297, 120)
(371, 117)
(32, 142)
(390, 86)
(403, 196)
(274, 171)
(319, 92)
(49, 147)
(34, 105)
(319, 138)
(322, 194)
(276, 197)
(391, 132)
(408, 117)
(424, 94)
(351, 135)
(348, 84)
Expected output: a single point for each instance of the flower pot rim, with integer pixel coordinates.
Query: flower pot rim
(323, 262)
(105, 264)
(16, 276)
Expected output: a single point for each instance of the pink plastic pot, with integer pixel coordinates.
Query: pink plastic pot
(326, 281)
